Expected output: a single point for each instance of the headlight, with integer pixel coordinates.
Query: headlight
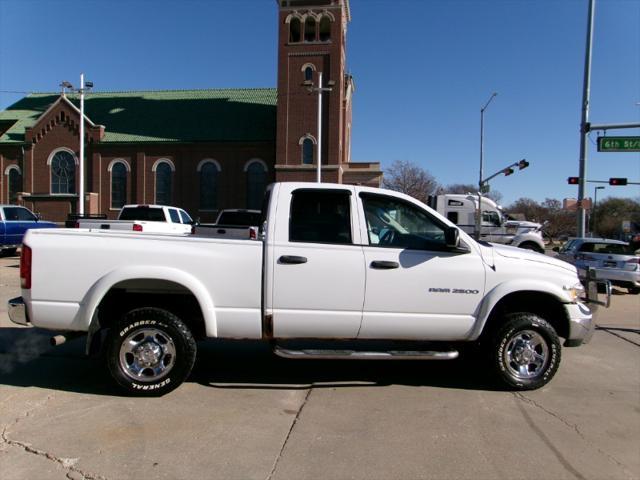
(574, 291)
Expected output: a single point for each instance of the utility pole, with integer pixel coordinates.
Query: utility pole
(81, 172)
(584, 124)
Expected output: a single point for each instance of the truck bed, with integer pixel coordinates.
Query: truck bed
(71, 268)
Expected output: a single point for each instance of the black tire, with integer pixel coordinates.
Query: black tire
(524, 352)
(9, 252)
(150, 352)
(633, 290)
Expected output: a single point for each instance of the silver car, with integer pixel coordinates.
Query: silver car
(612, 260)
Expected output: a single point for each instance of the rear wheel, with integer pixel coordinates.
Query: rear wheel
(150, 352)
(525, 352)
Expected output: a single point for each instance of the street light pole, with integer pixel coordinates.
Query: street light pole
(593, 214)
(319, 90)
(480, 184)
(81, 172)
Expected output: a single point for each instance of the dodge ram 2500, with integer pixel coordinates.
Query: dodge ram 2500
(361, 273)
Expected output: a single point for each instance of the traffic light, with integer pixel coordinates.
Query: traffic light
(573, 180)
(522, 164)
(617, 181)
(507, 171)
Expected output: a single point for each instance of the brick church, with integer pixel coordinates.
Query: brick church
(227, 146)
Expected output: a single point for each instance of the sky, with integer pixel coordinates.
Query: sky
(423, 69)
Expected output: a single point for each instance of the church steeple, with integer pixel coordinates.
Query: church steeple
(312, 39)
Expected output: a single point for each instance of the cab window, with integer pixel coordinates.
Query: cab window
(394, 223)
(175, 217)
(320, 216)
(18, 214)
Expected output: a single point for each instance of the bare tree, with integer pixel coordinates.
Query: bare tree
(406, 177)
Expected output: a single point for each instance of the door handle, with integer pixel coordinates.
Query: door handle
(384, 265)
(292, 259)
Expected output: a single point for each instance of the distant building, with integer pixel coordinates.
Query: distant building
(202, 150)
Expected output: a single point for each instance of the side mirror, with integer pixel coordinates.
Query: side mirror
(38, 217)
(452, 237)
(556, 249)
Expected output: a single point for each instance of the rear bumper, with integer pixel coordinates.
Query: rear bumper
(18, 311)
(617, 276)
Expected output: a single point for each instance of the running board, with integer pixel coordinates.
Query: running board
(322, 354)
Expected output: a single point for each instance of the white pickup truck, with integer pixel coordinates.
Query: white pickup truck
(361, 273)
(144, 218)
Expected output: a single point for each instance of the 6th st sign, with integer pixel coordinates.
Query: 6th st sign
(619, 144)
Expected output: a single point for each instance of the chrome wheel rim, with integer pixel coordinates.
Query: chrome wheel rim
(526, 354)
(147, 355)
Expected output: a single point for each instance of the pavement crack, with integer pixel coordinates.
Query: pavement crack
(286, 440)
(575, 428)
(69, 464)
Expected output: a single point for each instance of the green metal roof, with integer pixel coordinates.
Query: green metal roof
(176, 116)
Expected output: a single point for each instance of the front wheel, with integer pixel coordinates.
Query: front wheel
(525, 352)
(150, 352)
(633, 290)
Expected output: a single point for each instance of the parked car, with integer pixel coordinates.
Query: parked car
(144, 218)
(611, 260)
(421, 290)
(15, 221)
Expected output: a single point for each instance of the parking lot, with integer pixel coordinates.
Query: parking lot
(245, 414)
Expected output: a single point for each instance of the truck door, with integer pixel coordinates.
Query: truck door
(416, 287)
(318, 266)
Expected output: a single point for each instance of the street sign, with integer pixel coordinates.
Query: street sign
(619, 144)
(485, 188)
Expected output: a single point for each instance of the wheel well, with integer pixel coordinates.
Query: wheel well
(531, 246)
(543, 304)
(173, 297)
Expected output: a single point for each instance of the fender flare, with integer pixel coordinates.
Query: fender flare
(495, 295)
(87, 315)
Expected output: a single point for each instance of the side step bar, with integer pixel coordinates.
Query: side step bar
(323, 354)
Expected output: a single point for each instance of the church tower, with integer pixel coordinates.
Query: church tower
(312, 39)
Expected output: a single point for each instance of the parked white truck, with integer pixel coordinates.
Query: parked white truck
(362, 273)
(144, 218)
(461, 210)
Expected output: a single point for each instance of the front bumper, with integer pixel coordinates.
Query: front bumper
(18, 311)
(582, 318)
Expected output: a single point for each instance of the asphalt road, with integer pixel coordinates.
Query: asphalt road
(245, 414)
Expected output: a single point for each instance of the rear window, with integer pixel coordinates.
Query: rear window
(610, 248)
(142, 213)
(240, 219)
(320, 216)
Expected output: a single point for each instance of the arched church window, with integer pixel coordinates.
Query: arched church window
(310, 29)
(295, 30)
(118, 185)
(63, 173)
(307, 151)
(209, 186)
(308, 74)
(164, 183)
(256, 184)
(325, 29)
(15, 184)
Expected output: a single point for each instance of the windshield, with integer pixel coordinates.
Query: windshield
(142, 213)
